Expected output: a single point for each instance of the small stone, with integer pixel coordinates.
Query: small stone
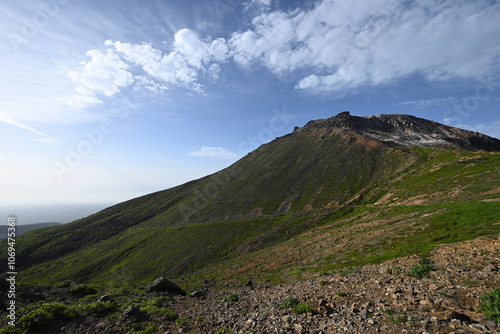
(197, 294)
(106, 298)
(490, 268)
(479, 328)
(363, 313)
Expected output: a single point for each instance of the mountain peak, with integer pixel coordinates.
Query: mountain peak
(405, 130)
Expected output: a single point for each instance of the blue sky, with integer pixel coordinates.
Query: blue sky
(102, 101)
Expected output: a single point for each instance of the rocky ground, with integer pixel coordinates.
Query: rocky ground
(378, 298)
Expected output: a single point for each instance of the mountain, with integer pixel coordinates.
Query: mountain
(333, 194)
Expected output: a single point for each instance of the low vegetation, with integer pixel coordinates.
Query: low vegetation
(231, 298)
(490, 305)
(421, 269)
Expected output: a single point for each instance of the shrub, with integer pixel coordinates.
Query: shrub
(231, 298)
(394, 318)
(100, 307)
(39, 316)
(11, 330)
(151, 328)
(421, 269)
(83, 289)
(490, 305)
(290, 302)
(154, 306)
(181, 322)
(341, 294)
(302, 308)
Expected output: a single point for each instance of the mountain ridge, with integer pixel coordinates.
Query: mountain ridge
(283, 192)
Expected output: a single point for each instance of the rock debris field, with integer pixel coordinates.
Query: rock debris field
(379, 298)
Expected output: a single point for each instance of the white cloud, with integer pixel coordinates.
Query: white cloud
(335, 46)
(103, 74)
(429, 102)
(345, 45)
(258, 4)
(125, 64)
(7, 118)
(214, 153)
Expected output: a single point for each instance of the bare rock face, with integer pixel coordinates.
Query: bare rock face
(405, 130)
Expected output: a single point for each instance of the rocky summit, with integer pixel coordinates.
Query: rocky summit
(405, 130)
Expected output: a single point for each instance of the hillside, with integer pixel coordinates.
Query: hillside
(22, 229)
(333, 194)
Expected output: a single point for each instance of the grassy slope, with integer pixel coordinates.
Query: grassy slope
(218, 227)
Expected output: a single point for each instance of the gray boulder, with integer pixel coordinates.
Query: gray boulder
(161, 284)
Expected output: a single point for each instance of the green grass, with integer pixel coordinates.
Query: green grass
(231, 298)
(38, 316)
(101, 307)
(395, 318)
(83, 289)
(159, 306)
(301, 308)
(289, 303)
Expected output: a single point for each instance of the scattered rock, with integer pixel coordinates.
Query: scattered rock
(364, 301)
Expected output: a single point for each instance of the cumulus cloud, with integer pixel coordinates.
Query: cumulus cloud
(126, 64)
(214, 153)
(334, 46)
(105, 73)
(343, 45)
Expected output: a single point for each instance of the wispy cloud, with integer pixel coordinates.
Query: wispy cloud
(215, 153)
(491, 129)
(429, 102)
(7, 118)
